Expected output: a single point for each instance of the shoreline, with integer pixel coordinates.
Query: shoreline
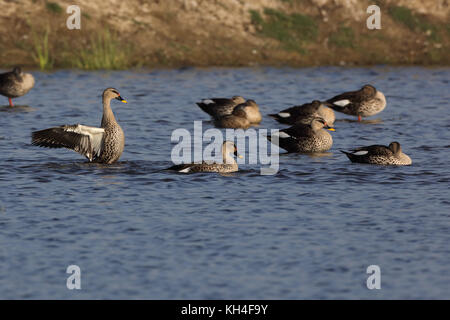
(199, 33)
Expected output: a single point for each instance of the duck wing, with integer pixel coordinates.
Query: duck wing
(217, 106)
(290, 115)
(87, 141)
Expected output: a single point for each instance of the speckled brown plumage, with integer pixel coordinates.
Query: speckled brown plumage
(219, 107)
(365, 102)
(305, 138)
(102, 145)
(379, 154)
(228, 164)
(305, 113)
(15, 83)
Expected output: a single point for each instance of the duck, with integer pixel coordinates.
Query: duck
(303, 138)
(102, 145)
(237, 120)
(251, 109)
(365, 102)
(15, 83)
(228, 165)
(379, 154)
(304, 113)
(219, 107)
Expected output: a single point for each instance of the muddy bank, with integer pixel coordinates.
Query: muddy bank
(176, 33)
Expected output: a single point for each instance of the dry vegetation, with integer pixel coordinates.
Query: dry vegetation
(174, 33)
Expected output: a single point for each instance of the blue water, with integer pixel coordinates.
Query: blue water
(308, 232)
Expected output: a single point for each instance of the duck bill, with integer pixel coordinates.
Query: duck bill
(238, 155)
(330, 128)
(121, 99)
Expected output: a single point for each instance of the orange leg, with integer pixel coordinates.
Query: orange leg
(359, 118)
(10, 102)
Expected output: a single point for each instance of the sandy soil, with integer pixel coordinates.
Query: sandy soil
(176, 33)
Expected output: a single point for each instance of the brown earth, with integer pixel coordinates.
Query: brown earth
(177, 33)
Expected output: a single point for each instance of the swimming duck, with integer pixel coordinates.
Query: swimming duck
(228, 164)
(219, 107)
(378, 154)
(365, 102)
(15, 84)
(102, 145)
(306, 138)
(236, 120)
(305, 113)
(252, 111)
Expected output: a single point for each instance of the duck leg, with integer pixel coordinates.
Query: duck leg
(359, 118)
(10, 102)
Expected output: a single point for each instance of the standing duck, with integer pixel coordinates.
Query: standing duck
(102, 145)
(365, 102)
(305, 113)
(304, 138)
(219, 107)
(15, 84)
(228, 164)
(378, 154)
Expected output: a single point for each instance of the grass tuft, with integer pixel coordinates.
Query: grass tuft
(104, 51)
(292, 30)
(406, 17)
(53, 7)
(41, 52)
(343, 38)
(255, 17)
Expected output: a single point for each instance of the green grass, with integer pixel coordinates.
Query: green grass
(406, 17)
(41, 52)
(53, 7)
(104, 51)
(343, 38)
(291, 30)
(256, 18)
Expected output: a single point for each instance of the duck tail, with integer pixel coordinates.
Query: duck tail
(280, 119)
(332, 106)
(204, 107)
(349, 155)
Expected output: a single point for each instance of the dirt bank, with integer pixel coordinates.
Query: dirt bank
(174, 33)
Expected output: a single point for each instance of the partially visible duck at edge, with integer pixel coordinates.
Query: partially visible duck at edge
(15, 83)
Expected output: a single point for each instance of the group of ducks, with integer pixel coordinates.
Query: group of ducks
(308, 133)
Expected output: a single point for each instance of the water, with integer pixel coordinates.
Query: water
(309, 231)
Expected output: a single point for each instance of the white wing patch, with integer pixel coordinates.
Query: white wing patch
(284, 114)
(95, 136)
(186, 170)
(342, 103)
(207, 101)
(361, 153)
(281, 134)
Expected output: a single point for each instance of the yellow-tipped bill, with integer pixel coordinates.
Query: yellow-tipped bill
(121, 99)
(331, 129)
